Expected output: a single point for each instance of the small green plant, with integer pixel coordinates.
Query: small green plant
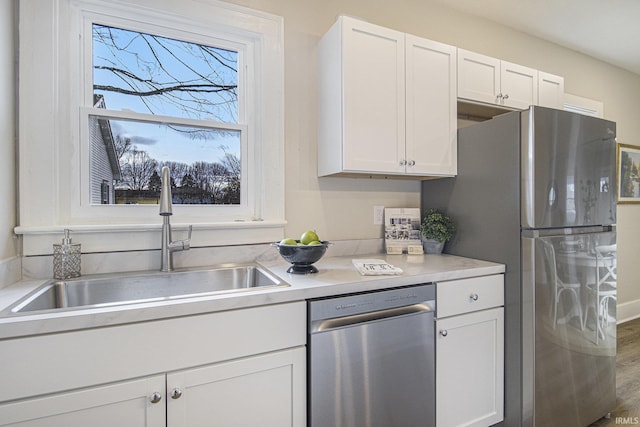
(437, 226)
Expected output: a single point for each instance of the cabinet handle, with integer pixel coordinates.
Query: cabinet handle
(499, 96)
(403, 162)
(412, 162)
(443, 332)
(506, 96)
(473, 297)
(176, 393)
(155, 397)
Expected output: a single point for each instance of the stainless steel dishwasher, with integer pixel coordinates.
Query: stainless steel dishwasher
(372, 359)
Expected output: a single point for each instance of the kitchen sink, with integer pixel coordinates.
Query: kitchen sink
(144, 287)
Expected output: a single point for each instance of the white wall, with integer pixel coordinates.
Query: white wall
(343, 208)
(8, 243)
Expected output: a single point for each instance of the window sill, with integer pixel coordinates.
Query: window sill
(128, 237)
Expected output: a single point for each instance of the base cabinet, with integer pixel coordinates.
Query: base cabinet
(470, 354)
(265, 390)
(244, 367)
(123, 404)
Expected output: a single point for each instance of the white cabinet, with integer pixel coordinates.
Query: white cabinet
(122, 404)
(261, 390)
(387, 103)
(470, 352)
(238, 367)
(550, 90)
(431, 108)
(266, 390)
(485, 79)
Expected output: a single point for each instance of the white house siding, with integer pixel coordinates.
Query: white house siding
(100, 170)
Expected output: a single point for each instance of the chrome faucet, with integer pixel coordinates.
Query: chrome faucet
(168, 247)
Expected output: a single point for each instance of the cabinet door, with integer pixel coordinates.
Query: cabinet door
(550, 90)
(518, 85)
(470, 369)
(266, 390)
(122, 404)
(431, 107)
(478, 77)
(373, 98)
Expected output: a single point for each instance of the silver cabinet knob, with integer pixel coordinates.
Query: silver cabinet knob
(443, 332)
(155, 397)
(506, 96)
(403, 162)
(412, 162)
(473, 297)
(498, 96)
(176, 393)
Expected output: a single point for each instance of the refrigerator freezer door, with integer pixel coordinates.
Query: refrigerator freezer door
(569, 329)
(568, 169)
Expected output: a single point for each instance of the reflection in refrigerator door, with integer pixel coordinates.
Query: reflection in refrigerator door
(575, 335)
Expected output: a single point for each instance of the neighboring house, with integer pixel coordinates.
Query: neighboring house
(105, 168)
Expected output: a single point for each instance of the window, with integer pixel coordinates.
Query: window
(151, 75)
(118, 89)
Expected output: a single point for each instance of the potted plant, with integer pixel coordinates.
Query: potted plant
(436, 229)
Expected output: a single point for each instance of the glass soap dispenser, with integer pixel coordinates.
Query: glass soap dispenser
(66, 258)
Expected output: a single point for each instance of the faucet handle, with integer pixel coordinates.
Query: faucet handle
(182, 245)
(187, 241)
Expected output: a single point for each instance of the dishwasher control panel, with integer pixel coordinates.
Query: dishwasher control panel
(346, 305)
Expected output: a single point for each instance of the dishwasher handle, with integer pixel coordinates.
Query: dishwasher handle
(357, 319)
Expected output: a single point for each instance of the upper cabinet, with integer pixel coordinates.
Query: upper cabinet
(550, 90)
(489, 80)
(387, 103)
(485, 79)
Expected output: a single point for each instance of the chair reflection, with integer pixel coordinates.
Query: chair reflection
(602, 289)
(561, 286)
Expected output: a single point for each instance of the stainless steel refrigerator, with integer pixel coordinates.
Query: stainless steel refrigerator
(536, 190)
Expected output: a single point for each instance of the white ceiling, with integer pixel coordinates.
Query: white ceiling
(605, 29)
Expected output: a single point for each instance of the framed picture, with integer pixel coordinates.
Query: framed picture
(628, 173)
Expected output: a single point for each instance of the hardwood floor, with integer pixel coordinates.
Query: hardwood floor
(627, 411)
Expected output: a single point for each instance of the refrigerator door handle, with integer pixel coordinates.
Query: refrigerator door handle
(534, 233)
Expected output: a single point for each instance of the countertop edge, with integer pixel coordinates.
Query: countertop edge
(336, 276)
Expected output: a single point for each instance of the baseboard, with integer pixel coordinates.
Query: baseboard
(628, 311)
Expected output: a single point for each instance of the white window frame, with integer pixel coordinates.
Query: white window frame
(249, 207)
(55, 72)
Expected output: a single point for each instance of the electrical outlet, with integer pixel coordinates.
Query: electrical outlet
(378, 215)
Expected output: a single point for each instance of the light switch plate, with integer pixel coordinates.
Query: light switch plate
(378, 215)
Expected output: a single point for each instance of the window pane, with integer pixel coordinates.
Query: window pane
(204, 162)
(149, 74)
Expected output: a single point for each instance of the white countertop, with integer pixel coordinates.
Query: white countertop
(336, 276)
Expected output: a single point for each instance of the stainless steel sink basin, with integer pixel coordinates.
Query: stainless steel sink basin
(144, 287)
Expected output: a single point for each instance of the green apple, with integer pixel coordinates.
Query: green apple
(288, 241)
(308, 237)
(314, 243)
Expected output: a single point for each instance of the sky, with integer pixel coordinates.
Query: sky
(160, 63)
(163, 143)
